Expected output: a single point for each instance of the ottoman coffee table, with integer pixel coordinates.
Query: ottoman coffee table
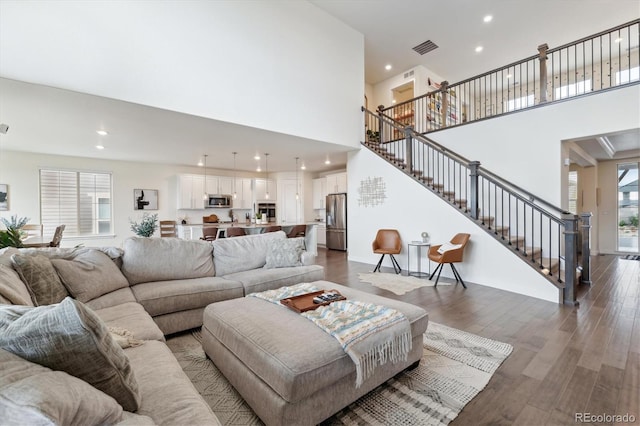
(288, 370)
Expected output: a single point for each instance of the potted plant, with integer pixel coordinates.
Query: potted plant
(147, 226)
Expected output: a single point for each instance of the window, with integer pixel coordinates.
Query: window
(572, 89)
(80, 200)
(519, 103)
(573, 192)
(625, 76)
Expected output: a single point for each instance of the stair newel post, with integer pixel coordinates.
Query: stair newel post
(408, 139)
(542, 50)
(570, 258)
(474, 187)
(585, 276)
(444, 90)
(380, 124)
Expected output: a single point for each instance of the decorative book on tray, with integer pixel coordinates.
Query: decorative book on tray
(313, 300)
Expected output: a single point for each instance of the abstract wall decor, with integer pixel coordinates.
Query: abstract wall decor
(4, 197)
(145, 199)
(372, 192)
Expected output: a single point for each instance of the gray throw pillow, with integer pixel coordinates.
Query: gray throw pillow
(12, 288)
(89, 275)
(41, 278)
(31, 394)
(70, 337)
(284, 253)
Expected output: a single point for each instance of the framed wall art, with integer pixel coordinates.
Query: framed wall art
(4, 197)
(145, 199)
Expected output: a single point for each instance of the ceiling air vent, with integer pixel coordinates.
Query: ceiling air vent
(425, 47)
(408, 74)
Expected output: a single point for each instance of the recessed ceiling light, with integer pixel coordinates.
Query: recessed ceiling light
(102, 132)
(200, 163)
(487, 18)
(479, 49)
(303, 167)
(509, 76)
(256, 157)
(393, 101)
(327, 161)
(100, 146)
(258, 169)
(618, 40)
(387, 67)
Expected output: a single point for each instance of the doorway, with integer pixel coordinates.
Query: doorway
(402, 93)
(627, 190)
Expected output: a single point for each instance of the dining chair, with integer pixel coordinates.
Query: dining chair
(168, 228)
(449, 253)
(33, 230)
(387, 241)
(57, 236)
(272, 228)
(234, 231)
(209, 233)
(297, 231)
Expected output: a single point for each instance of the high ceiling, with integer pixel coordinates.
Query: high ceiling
(390, 27)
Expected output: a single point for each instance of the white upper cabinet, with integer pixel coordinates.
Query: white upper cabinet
(190, 192)
(244, 194)
(336, 182)
(260, 190)
(319, 193)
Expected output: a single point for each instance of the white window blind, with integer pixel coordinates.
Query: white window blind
(573, 192)
(80, 200)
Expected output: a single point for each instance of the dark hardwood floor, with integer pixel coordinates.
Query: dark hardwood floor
(565, 360)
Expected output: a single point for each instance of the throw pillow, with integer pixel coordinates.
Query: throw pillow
(70, 337)
(89, 275)
(284, 253)
(447, 247)
(41, 278)
(31, 394)
(12, 288)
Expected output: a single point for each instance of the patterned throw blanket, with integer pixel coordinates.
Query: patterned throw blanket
(370, 334)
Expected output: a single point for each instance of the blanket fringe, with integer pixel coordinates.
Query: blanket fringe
(393, 351)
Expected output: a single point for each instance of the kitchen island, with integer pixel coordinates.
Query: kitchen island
(193, 231)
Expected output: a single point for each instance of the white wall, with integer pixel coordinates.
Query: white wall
(525, 147)
(20, 171)
(411, 209)
(254, 63)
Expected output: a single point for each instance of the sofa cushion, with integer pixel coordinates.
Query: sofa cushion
(262, 279)
(169, 397)
(41, 278)
(242, 253)
(162, 297)
(31, 394)
(132, 317)
(12, 289)
(70, 337)
(283, 253)
(161, 259)
(90, 274)
(118, 297)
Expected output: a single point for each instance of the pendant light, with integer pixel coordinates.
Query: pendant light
(266, 170)
(235, 193)
(297, 184)
(205, 196)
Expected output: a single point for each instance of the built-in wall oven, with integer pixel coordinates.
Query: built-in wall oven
(269, 209)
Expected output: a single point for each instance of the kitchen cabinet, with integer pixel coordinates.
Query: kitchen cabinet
(336, 182)
(319, 193)
(322, 234)
(260, 190)
(244, 194)
(289, 207)
(190, 192)
(219, 185)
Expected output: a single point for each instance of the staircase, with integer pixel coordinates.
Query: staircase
(531, 228)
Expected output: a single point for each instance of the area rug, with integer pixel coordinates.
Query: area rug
(631, 257)
(455, 367)
(398, 284)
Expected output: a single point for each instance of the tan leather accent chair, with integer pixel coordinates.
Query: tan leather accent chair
(451, 256)
(387, 241)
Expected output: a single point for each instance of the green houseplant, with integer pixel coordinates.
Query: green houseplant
(12, 236)
(147, 226)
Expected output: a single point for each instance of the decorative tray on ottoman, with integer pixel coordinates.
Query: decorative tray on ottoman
(305, 302)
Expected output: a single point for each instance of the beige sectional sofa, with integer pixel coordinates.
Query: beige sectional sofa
(149, 288)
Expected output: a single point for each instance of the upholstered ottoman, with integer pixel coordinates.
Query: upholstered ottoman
(287, 369)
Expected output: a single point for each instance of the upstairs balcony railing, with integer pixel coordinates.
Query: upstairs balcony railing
(603, 61)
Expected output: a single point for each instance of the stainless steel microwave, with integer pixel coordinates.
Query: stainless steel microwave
(218, 201)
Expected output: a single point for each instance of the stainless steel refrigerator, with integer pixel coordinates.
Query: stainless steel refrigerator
(336, 221)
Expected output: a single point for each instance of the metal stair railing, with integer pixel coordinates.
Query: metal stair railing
(523, 222)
